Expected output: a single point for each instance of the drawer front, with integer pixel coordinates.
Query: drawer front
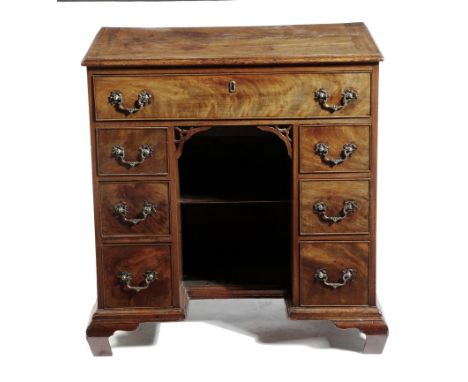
(281, 95)
(125, 267)
(133, 151)
(343, 266)
(334, 207)
(146, 204)
(334, 148)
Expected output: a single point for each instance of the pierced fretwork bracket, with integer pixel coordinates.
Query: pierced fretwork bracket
(184, 134)
(282, 133)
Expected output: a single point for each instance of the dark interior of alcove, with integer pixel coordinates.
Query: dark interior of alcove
(235, 185)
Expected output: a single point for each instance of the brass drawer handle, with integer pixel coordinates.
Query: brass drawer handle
(322, 276)
(348, 96)
(121, 211)
(125, 278)
(116, 99)
(144, 152)
(321, 149)
(320, 208)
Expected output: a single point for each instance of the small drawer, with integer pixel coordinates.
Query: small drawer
(134, 209)
(334, 273)
(334, 148)
(137, 276)
(334, 207)
(132, 151)
(232, 96)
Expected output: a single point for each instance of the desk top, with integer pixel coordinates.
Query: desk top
(267, 45)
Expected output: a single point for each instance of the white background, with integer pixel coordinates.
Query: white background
(47, 240)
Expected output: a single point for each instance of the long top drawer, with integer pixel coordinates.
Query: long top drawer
(232, 96)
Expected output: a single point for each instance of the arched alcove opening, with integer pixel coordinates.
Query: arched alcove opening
(235, 184)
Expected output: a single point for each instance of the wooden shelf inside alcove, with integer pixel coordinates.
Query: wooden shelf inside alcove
(216, 199)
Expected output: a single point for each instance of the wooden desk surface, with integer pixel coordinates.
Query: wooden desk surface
(266, 45)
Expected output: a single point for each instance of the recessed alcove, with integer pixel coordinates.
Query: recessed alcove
(235, 186)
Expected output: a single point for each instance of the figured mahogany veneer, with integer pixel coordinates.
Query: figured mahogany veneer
(256, 95)
(334, 193)
(134, 195)
(131, 140)
(137, 259)
(335, 137)
(220, 46)
(234, 162)
(334, 257)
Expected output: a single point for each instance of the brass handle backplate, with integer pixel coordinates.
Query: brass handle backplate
(126, 278)
(321, 149)
(322, 276)
(116, 99)
(320, 208)
(144, 152)
(121, 211)
(348, 96)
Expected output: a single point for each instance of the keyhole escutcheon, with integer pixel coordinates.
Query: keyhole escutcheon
(232, 86)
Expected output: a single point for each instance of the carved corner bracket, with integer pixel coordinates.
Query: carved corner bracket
(283, 133)
(182, 135)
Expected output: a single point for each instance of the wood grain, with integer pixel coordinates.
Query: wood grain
(277, 70)
(179, 295)
(294, 294)
(137, 260)
(373, 186)
(131, 139)
(334, 257)
(104, 322)
(335, 312)
(134, 194)
(281, 95)
(334, 193)
(208, 290)
(335, 137)
(376, 332)
(266, 45)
